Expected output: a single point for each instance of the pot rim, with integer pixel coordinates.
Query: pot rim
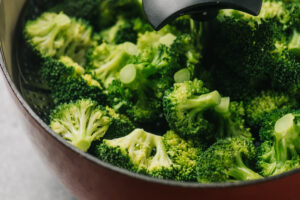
(118, 170)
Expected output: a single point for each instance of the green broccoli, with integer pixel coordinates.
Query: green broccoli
(184, 154)
(57, 35)
(84, 9)
(110, 10)
(80, 122)
(194, 111)
(280, 137)
(229, 159)
(68, 82)
(145, 78)
(267, 101)
(122, 31)
(120, 125)
(106, 60)
(185, 106)
(254, 51)
(140, 152)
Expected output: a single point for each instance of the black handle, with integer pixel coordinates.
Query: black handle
(160, 12)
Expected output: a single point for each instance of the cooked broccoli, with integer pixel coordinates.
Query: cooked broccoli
(254, 53)
(229, 159)
(68, 82)
(280, 136)
(193, 110)
(185, 106)
(110, 10)
(145, 78)
(122, 31)
(115, 81)
(85, 9)
(184, 154)
(58, 35)
(140, 152)
(80, 122)
(106, 60)
(120, 125)
(267, 101)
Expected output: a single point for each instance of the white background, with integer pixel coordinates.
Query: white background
(23, 176)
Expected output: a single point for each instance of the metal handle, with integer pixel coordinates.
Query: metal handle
(160, 12)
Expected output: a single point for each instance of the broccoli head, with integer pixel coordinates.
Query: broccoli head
(110, 10)
(68, 82)
(57, 35)
(185, 105)
(122, 31)
(120, 125)
(80, 122)
(184, 154)
(106, 60)
(85, 9)
(267, 101)
(228, 159)
(251, 55)
(140, 152)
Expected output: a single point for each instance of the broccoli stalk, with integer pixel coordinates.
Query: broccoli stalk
(279, 153)
(80, 122)
(294, 44)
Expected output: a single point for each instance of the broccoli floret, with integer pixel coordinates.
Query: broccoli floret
(80, 122)
(35, 8)
(140, 151)
(138, 105)
(57, 35)
(85, 9)
(146, 77)
(68, 82)
(253, 42)
(267, 101)
(106, 60)
(184, 154)
(110, 10)
(185, 105)
(120, 125)
(122, 31)
(280, 136)
(194, 111)
(229, 159)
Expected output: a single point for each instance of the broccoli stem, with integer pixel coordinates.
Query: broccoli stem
(285, 131)
(294, 45)
(128, 74)
(182, 75)
(223, 107)
(202, 102)
(242, 172)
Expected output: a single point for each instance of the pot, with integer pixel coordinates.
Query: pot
(91, 179)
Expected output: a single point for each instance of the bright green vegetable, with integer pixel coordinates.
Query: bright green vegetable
(280, 149)
(229, 159)
(57, 35)
(80, 122)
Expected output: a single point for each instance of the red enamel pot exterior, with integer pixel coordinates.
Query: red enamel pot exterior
(90, 179)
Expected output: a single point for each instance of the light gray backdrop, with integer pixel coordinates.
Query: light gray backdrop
(23, 176)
